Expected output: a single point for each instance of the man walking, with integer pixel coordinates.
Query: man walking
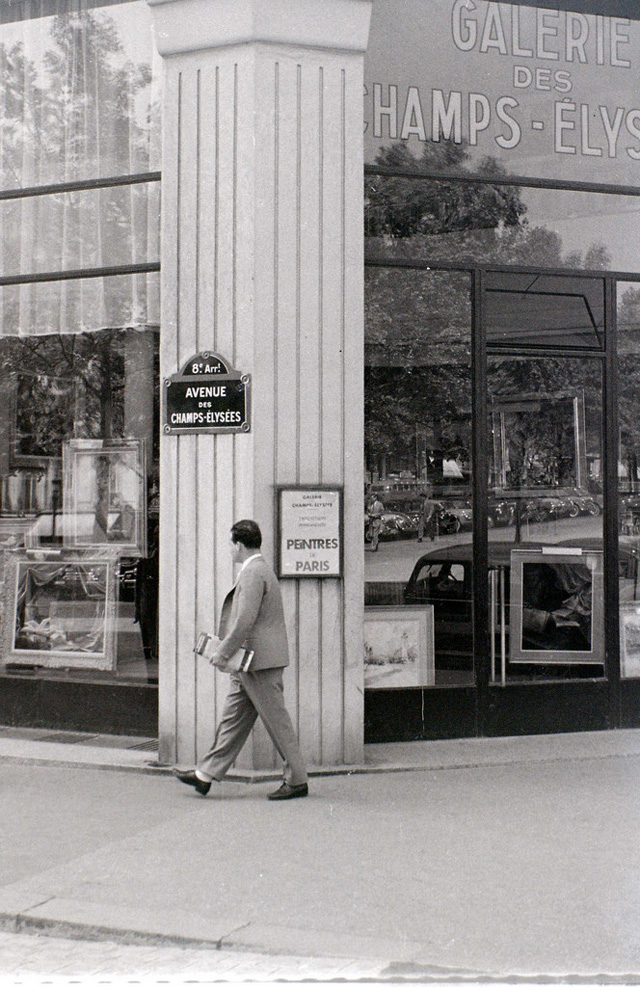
(252, 619)
(427, 520)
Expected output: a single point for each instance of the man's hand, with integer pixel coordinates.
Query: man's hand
(218, 659)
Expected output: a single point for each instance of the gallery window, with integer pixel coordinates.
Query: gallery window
(79, 502)
(79, 321)
(628, 338)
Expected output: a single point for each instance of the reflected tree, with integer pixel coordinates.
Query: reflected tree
(73, 106)
(58, 387)
(418, 323)
(629, 382)
(462, 221)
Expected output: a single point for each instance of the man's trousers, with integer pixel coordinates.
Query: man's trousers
(254, 694)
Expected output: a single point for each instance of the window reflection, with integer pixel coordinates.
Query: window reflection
(52, 306)
(80, 93)
(545, 517)
(79, 502)
(544, 310)
(628, 346)
(417, 506)
(473, 223)
(109, 227)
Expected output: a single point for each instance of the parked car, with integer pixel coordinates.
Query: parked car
(555, 508)
(588, 505)
(447, 521)
(397, 524)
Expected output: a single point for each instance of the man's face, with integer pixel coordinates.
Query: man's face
(235, 550)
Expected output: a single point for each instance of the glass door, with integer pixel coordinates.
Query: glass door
(418, 515)
(486, 535)
(545, 348)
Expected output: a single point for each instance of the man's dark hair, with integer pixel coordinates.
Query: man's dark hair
(248, 533)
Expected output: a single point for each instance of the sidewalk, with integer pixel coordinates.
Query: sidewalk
(450, 860)
(139, 754)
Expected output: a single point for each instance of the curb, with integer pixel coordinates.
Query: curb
(21, 923)
(388, 971)
(95, 759)
(379, 968)
(128, 754)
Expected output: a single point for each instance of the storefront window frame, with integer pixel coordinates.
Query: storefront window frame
(473, 178)
(149, 267)
(24, 12)
(146, 267)
(607, 356)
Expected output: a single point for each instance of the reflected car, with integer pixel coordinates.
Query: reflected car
(393, 525)
(501, 513)
(397, 524)
(462, 510)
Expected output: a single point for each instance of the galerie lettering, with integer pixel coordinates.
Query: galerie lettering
(552, 36)
(562, 37)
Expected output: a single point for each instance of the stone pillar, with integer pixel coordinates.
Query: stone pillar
(262, 262)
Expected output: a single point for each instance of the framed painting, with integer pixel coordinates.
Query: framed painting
(63, 614)
(557, 610)
(399, 649)
(104, 495)
(630, 641)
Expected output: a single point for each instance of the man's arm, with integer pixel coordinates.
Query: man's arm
(248, 598)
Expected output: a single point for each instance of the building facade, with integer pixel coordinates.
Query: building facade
(391, 310)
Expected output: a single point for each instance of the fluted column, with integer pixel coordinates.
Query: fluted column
(262, 261)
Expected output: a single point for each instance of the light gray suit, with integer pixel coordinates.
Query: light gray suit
(253, 617)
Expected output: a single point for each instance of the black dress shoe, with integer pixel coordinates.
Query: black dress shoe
(289, 792)
(191, 778)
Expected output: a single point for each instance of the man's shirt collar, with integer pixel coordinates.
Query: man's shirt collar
(258, 555)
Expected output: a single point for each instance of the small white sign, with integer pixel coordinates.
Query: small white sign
(310, 531)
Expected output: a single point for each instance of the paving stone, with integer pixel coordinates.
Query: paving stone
(26, 954)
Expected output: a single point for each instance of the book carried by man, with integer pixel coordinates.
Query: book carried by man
(207, 645)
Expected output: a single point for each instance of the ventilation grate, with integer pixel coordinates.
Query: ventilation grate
(147, 745)
(66, 738)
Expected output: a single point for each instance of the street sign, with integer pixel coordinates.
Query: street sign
(208, 396)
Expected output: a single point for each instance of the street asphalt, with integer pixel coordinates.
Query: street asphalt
(457, 860)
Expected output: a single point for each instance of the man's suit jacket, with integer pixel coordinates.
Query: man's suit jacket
(253, 617)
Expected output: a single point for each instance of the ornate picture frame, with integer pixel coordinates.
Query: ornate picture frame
(37, 436)
(517, 460)
(62, 613)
